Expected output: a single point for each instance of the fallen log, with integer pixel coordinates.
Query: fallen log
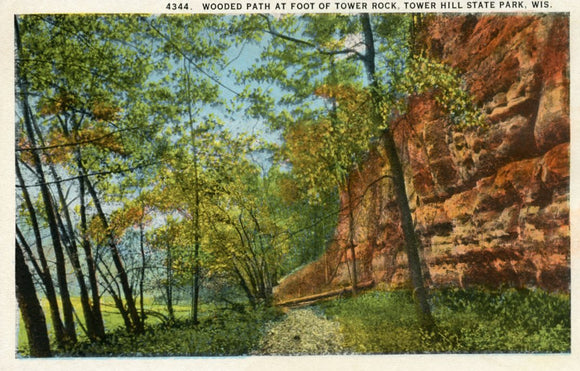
(324, 295)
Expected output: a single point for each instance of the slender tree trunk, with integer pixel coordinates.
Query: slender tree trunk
(169, 286)
(91, 265)
(196, 206)
(98, 326)
(411, 240)
(137, 325)
(70, 240)
(251, 263)
(245, 287)
(116, 295)
(351, 243)
(142, 272)
(31, 309)
(196, 283)
(248, 284)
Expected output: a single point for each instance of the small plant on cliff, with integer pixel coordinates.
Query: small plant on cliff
(428, 75)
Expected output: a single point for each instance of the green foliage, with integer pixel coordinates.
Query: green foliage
(427, 75)
(111, 317)
(508, 320)
(302, 332)
(377, 322)
(471, 321)
(222, 332)
(467, 321)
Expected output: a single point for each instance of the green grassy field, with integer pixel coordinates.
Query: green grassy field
(111, 317)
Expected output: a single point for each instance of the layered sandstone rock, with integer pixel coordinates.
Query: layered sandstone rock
(491, 205)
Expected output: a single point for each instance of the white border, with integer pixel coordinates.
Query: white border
(382, 362)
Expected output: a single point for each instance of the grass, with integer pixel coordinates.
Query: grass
(227, 334)
(468, 321)
(111, 317)
(377, 322)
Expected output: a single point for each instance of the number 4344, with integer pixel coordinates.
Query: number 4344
(177, 6)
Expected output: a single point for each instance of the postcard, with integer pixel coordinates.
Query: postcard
(289, 184)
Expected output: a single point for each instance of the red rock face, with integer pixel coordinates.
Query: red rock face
(491, 205)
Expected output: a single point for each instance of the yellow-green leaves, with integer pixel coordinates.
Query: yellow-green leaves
(426, 75)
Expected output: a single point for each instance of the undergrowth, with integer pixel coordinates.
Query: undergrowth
(226, 334)
(378, 322)
(468, 321)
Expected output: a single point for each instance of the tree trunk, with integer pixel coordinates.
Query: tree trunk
(45, 274)
(169, 286)
(30, 309)
(116, 295)
(142, 271)
(92, 313)
(70, 240)
(91, 265)
(411, 240)
(196, 273)
(245, 287)
(196, 206)
(137, 326)
(351, 243)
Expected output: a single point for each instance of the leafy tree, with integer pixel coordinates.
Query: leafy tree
(191, 87)
(69, 334)
(249, 233)
(309, 222)
(165, 238)
(323, 152)
(76, 70)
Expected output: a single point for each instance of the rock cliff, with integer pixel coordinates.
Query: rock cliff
(491, 205)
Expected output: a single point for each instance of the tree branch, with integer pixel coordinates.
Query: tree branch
(116, 171)
(179, 51)
(318, 48)
(73, 144)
